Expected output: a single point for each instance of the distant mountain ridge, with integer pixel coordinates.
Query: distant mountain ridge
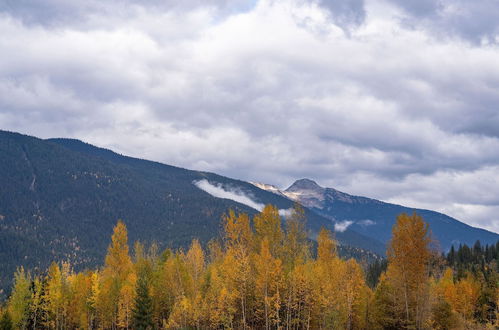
(60, 198)
(374, 218)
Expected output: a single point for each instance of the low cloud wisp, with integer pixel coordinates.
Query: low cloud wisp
(366, 222)
(220, 192)
(217, 190)
(342, 226)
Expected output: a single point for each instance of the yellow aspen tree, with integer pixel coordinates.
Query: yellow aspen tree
(408, 259)
(141, 263)
(300, 296)
(19, 301)
(268, 285)
(446, 287)
(329, 271)
(225, 310)
(36, 305)
(189, 268)
(296, 247)
(236, 264)
(118, 263)
(268, 226)
(92, 299)
(237, 230)
(195, 261)
(443, 299)
(220, 304)
(178, 284)
(80, 288)
(182, 276)
(181, 316)
(126, 301)
(196, 267)
(161, 290)
(296, 251)
(363, 309)
(237, 272)
(326, 247)
(173, 283)
(118, 266)
(54, 296)
(467, 294)
(354, 291)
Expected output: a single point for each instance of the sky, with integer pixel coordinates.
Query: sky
(392, 99)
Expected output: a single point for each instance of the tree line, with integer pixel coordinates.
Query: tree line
(264, 274)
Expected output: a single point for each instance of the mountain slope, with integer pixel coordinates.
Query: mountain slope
(375, 219)
(182, 177)
(60, 198)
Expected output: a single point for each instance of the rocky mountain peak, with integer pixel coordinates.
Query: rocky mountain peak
(305, 184)
(307, 192)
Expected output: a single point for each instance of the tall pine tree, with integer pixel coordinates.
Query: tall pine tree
(142, 312)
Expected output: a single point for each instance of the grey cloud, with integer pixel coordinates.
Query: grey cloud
(60, 13)
(258, 97)
(471, 20)
(345, 13)
(420, 8)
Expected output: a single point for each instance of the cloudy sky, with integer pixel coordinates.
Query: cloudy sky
(396, 100)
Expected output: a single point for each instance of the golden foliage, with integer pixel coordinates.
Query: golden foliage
(258, 276)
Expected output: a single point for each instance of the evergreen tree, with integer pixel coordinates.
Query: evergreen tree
(6, 321)
(442, 316)
(374, 271)
(142, 312)
(451, 257)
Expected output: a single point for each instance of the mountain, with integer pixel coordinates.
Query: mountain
(374, 218)
(60, 198)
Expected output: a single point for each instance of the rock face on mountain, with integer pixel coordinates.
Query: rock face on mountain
(307, 192)
(374, 218)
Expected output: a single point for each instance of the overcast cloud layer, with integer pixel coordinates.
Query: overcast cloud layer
(396, 100)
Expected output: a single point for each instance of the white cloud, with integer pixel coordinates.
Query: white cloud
(217, 190)
(366, 222)
(286, 212)
(342, 225)
(233, 194)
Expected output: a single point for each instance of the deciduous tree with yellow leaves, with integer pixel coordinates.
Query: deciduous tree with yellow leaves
(261, 274)
(408, 269)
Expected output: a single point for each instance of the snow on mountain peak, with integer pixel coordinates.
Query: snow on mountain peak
(305, 191)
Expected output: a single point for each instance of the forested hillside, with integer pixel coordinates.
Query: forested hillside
(59, 200)
(261, 275)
